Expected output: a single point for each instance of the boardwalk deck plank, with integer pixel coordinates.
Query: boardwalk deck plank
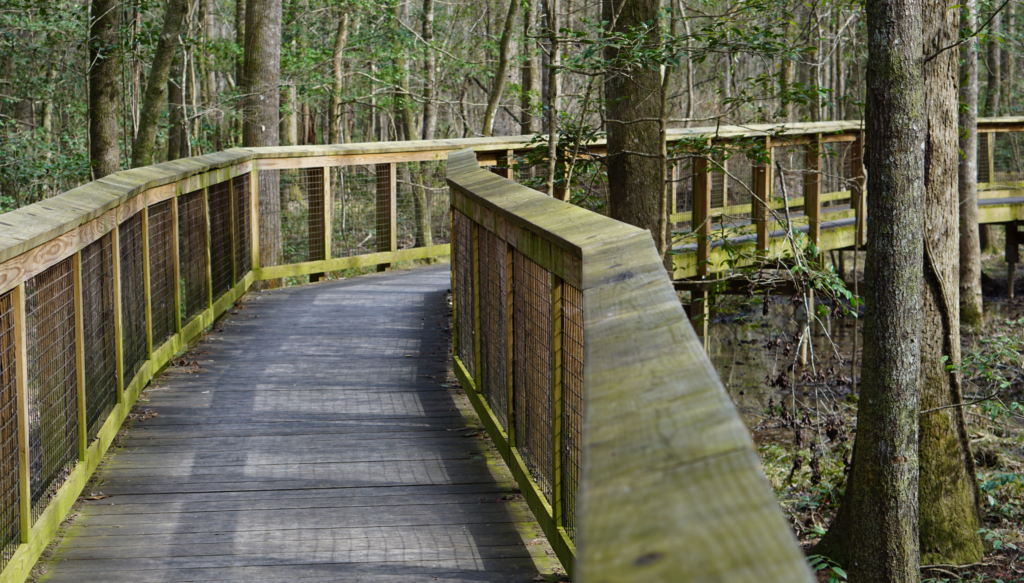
(312, 437)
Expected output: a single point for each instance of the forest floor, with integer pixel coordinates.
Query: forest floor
(803, 421)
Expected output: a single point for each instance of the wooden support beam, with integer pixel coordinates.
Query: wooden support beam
(556, 400)
(147, 289)
(209, 239)
(812, 188)
(254, 217)
(115, 248)
(759, 203)
(1012, 255)
(83, 436)
(702, 212)
(233, 231)
(21, 377)
(176, 264)
(509, 348)
(387, 210)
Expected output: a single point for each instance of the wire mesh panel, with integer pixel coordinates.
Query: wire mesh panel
(52, 386)
(494, 323)
(98, 332)
(243, 230)
(314, 179)
(219, 197)
(572, 402)
(531, 365)
(192, 253)
(740, 180)
(422, 204)
(462, 263)
(133, 297)
(836, 167)
(10, 500)
(354, 217)
(790, 182)
(161, 270)
(298, 187)
(1008, 158)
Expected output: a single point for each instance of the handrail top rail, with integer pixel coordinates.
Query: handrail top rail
(28, 227)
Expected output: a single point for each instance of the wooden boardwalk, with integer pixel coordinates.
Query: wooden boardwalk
(315, 441)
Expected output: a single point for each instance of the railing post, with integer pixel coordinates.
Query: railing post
(509, 349)
(209, 243)
(115, 247)
(556, 399)
(858, 196)
(83, 431)
(474, 273)
(233, 231)
(762, 193)
(254, 216)
(147, 291)
(176, 267)
(701, 222)
(1012, 255)
(812, 188)
(21, 372)
(387, 211)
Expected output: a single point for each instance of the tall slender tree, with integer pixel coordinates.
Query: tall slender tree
(156, 84)
(971, 309)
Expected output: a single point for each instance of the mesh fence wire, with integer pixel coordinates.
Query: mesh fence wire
(10, 499)
(790, 182)
(219, 197)
(354, 218)
(243, 228)
(422, 204)
(836, 167)
(98, 332)
(52, 386)
(192, 254)
(572, 402)
(302, 214)
(133, 297)
(1007, 167)
(161, 270)
(531, 362)
(494, 322)
(271, 240)
(462, 263)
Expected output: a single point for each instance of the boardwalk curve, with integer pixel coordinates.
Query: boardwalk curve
(315, 441)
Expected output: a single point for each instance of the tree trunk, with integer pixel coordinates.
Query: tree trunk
(239, 105)
(635, 184)
(261, 73)
(175, 111)
(103, 88)
(530, 73)
(552, 11)
(971, 308)
(291, 109)
(421, 211)
(156, 84)
(875, 532)
(1006, 68)
(498, 85)
(429, 72)
(340, 40)
(947, 493)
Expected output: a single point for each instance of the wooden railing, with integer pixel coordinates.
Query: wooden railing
(574, 349)
(102, 286)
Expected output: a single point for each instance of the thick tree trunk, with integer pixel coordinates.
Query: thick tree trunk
(875, 531)
(103, 88)
(498, 85)
(971, 309)
(261, 73)
(239, 105)
(337, 132)
(947, 492)
(429, 72)
(156, 84)
(635, 185)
